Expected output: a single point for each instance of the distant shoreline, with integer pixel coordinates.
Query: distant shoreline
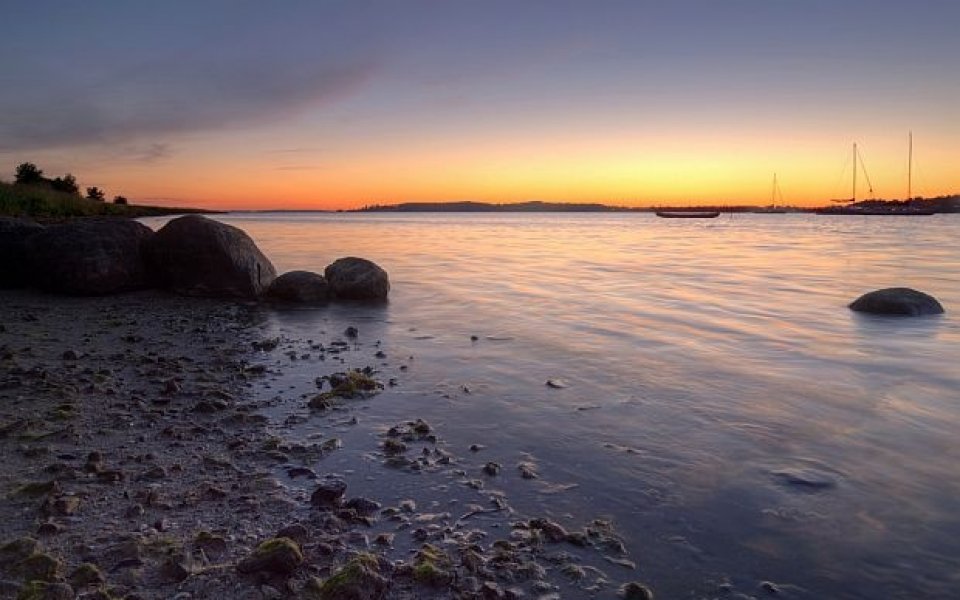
(940, 204)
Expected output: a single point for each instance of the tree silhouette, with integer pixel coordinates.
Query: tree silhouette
(120, 200)
(28, 173)
(67, 183)
(95, 193)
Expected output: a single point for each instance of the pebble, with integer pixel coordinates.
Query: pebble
(328, 493)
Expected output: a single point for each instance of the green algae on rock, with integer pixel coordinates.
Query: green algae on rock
(359, 579)
(276, 555)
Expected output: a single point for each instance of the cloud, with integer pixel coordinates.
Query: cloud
(148, 153)
(181, 94)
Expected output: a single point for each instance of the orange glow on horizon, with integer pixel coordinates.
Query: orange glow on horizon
(629, 169)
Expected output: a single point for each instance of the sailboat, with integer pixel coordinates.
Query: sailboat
(774, 195)
(889, 210)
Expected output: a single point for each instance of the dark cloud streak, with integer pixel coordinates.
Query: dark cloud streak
(171, 97)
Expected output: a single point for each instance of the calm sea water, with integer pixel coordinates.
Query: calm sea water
(723, 405)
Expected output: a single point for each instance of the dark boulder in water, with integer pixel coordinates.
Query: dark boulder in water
(14, 234)
(197, 256)
(91, 257)
(299, 287)
(357, 279)
(897, 301)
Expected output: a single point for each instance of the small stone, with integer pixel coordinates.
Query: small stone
(527, 470)
(49, 528)
(213, 546)
(295, 532)
(64, 505)
(556, 384)
(328, 493)
(86, 574)
(492, 469)
(363, 506)
(553, 532)
(392, 447)
(351, 332)
(70, 355)
(769, 587)
(153, 473)
(635, 591)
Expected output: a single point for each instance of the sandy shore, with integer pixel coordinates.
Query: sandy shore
(139, 463)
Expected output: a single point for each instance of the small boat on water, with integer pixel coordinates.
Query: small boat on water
(688, 214)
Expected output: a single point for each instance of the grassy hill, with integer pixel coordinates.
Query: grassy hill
(42, 203)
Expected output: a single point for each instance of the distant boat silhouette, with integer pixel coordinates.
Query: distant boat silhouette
(688, 214)
(890, 210)
(773, 209)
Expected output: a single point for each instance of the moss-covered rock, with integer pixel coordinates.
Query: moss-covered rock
(43, 590)
(38, 567)
(86, 574)
(359, 579)
(352, 384)
(16, 550)
(35, 489)
(432, 566)
(279, 556)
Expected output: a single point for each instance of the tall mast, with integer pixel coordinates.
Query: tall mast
(854, 172)
(773, 195)
(910, 167)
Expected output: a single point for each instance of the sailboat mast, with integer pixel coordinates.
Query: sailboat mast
(773, 194)
(910, 168)
(854, 172)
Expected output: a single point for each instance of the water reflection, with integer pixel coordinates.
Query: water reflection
(723, 405)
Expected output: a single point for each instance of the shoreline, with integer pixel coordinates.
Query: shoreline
(145, 434)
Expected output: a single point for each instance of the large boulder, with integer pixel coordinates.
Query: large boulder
(298, 287)
(14, 234)
(357, 279)
(897, 301)
(90, 257)
(197, 256)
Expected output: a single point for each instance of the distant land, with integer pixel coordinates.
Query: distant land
(41, 203)
(946, 204)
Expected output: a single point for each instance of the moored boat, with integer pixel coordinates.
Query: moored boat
(880, 209)
(688, 214)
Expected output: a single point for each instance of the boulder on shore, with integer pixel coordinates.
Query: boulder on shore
(354, 278)
(897, 301)
(89, 257)
(14, 234)
(299, 287)
(197, 256)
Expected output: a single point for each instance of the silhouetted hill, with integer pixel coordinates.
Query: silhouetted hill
(470, 206)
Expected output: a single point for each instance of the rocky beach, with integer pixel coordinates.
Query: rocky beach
(153, 450)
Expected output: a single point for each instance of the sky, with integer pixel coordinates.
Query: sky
(344, 103)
